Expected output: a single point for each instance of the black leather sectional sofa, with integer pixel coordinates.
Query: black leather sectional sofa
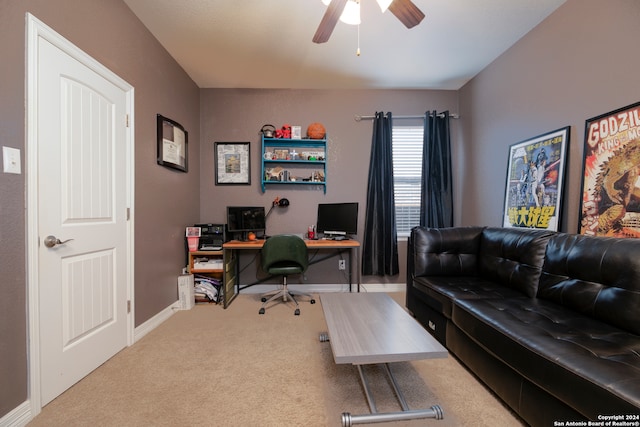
(549, 321)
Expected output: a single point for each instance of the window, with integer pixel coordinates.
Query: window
(407, 173)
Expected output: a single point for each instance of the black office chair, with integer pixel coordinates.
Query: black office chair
(284, 255)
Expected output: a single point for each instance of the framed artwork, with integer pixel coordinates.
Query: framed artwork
(233, 163)
(281, 153)
(535, 180)
(193, 231)
(172, 144)
(610, 200)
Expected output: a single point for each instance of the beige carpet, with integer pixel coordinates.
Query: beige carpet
(214, 367)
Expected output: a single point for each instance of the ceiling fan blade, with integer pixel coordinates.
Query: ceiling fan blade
(329, 21)
(407, 12)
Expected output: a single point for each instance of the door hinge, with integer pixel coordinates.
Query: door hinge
(128, 213)
(126, 119)
(129, 306)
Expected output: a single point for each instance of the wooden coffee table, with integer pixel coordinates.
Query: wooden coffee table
(368, 328)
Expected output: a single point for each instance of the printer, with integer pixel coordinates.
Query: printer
(212, 236)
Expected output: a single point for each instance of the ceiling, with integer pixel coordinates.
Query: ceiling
(267, 43)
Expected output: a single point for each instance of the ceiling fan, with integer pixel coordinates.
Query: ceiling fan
(407, 12)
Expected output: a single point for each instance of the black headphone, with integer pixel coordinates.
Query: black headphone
(268, 131)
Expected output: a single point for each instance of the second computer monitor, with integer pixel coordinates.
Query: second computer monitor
(338, 219)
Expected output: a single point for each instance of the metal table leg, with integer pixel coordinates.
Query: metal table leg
(375, 417)
(367, 391)
(434, 412)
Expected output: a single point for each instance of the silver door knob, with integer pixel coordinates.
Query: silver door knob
(51, 241)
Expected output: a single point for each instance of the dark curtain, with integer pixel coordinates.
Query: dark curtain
(380, 244)
(436, 197)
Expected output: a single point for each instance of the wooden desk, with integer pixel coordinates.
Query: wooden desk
(233, 286)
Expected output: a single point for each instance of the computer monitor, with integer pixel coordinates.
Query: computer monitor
(337, 219)
(245, 219)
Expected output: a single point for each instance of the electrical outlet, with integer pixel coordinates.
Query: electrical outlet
(341, 264)
(11, 160)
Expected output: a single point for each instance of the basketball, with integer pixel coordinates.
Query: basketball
(316, 131)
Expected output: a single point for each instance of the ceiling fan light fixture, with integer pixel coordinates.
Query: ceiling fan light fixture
(384, 4)
(351, 13)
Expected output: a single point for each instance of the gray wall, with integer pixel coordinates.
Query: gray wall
(233, 115)
(164, 200)
(575, 65)
(578, 63)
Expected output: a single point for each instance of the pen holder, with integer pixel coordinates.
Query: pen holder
(193, 243)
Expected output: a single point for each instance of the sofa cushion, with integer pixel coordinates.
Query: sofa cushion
(596, 276)
(445, 251)
(513, 257)
(440, 292)
(592, 366)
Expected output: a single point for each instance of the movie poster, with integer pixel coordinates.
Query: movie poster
(610, 202)
(535, 176)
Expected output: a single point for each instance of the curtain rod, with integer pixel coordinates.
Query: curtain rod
(360, 118)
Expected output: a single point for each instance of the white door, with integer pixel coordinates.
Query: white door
(83, 206)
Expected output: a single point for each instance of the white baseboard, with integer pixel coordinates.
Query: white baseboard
(18, 417)
(154, 322)
(383, 287)
(369, 287)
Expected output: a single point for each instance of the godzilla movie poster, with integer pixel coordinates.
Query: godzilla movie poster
(610, 203)
(533, 197)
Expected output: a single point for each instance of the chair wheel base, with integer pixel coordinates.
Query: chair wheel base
(261, 311)
(297, 312)
(313, 301)
(263, 299)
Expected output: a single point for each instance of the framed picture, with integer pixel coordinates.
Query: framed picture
(172, 144)
(610, 200)
(535, 180)
(233, 163)
(281, 153)
(296, 132)
(193, 231)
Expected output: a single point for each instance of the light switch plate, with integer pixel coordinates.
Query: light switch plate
(11, 160)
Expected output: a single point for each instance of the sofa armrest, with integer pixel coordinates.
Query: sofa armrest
(449, 251)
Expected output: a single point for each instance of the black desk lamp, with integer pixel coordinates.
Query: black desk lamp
(282, 203)
(277, 202)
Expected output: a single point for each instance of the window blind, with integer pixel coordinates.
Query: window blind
(407, 173)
